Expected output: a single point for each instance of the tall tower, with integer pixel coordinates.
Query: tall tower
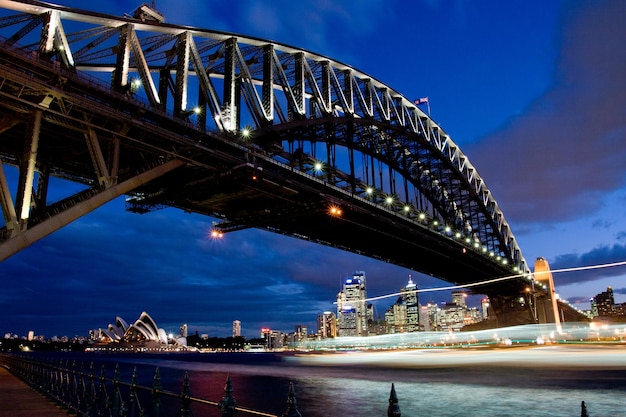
(351, 306)
(548, 310)
(327, 325)
(236, 328)
(409, 293)
(458, 298)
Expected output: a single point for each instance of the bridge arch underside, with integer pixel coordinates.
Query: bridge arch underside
(357, 185)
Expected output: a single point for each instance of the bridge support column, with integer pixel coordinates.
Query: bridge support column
(27, 170)
(547, 305)
(512, 310)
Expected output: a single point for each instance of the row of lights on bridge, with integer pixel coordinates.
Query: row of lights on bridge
(336, 211)
(389, 200)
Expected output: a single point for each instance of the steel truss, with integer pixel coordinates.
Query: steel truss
(229, 84)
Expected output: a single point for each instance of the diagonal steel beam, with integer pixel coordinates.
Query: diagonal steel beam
(8, 209)
(25, 238)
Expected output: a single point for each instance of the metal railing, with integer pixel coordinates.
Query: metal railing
(89, 393)
(86, 394)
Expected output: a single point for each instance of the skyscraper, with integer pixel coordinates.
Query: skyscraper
(327, 325)
(236, 328)
(409, 293)
(351, 306)
(605, 303)
(404, 315)
(458, 298)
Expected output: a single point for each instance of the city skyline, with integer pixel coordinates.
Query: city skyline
(534, 99)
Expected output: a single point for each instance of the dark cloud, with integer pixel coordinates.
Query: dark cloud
(603, 255)
(557, 159)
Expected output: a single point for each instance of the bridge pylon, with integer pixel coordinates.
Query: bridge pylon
(547, 306)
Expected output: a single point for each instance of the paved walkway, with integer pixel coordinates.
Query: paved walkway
(19, 400)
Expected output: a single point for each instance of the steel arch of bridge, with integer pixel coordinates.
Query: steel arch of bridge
(290, 99)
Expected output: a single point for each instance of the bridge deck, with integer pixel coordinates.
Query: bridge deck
(19, 400)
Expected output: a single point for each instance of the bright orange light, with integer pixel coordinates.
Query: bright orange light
(335, 211)
(216, 234)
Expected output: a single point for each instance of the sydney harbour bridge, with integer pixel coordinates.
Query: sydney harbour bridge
(250, 132)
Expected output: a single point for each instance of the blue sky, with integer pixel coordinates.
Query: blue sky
(532, 91)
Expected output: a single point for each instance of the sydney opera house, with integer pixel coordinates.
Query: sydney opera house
(143, 334)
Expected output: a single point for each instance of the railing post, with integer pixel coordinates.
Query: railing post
(394, 409)
(119, 408)
(90, 397)
(583, 410)
(104, 400)
(156, 394)
(133, 402)
(185, 398)
(228, 405)
(292, 403)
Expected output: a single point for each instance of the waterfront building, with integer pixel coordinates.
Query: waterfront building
(236, 328)
(484, 305)
(273, 339)
(424, 319)
(395, 317)
(409, 293)
(327, 325)
(604, 303)
(347, 321)
(458, 298)
(143, 334)
(352, 309)
(300, 333)
(403, 315)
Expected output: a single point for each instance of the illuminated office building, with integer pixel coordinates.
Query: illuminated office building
(404, 315)
(352, 313)
(409, 293)
(327, 325)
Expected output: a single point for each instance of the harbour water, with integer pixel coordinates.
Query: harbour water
(541, 381)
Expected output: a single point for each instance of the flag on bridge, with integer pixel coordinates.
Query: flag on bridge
(423, 100)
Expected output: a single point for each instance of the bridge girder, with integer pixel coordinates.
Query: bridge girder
(286, 95)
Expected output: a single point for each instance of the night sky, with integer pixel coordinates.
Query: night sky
(534, 92)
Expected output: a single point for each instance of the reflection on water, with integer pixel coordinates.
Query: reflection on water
(540, 381)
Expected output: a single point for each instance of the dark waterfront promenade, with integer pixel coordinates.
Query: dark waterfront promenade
(19, 400)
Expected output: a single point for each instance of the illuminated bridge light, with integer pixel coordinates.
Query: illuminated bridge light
(369, 190)
(318, 167)
(422, 216)
(389, 200)
(335, 211)
(492, 254)
(245, 133)
(504, 262)
(407, 208)
(447, 229)
(435, 223)
(484, 249)
(457, 235)
(217, 234)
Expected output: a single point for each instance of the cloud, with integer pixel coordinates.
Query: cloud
(567, 148)
(601, 255)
